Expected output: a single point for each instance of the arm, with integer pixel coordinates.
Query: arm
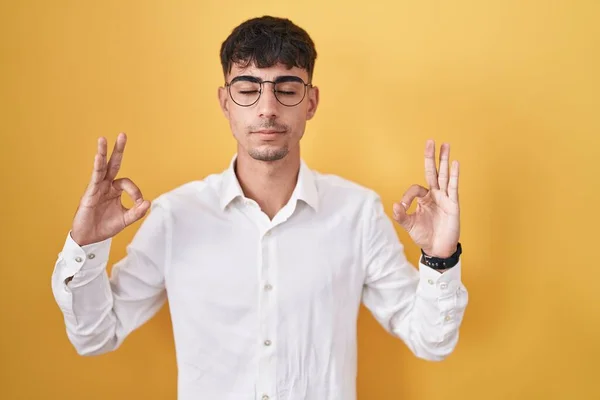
(422, 307)
(99, 312)
(425, 308)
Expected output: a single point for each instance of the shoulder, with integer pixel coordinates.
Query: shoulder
(337, 189)
(192, 193)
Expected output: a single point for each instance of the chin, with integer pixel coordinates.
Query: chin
(268, 153)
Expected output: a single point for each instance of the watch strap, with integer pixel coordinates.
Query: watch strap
(442, 263)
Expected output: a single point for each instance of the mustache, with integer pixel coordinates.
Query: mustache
(269, 125)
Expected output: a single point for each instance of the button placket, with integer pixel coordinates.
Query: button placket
(267, 272)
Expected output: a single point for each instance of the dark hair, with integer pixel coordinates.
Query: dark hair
(266, 41)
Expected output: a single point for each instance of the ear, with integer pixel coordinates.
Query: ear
(313, 102)
(224, 101)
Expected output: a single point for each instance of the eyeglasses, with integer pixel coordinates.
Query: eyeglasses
(245, 90)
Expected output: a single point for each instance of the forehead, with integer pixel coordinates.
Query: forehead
(269, 73)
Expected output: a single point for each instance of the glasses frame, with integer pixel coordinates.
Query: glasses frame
(261, 83)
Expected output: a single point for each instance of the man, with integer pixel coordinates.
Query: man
(264, 265)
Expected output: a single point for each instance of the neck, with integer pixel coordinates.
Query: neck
(269, 183)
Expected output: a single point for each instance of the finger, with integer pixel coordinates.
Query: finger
(116, 158)
(453, 185)
(99, 170)
(443, 173)
(400, 216)
(130, 188)
(136, 212)
(430, 169)
(413, 192)
(400, 209)
(99, 162)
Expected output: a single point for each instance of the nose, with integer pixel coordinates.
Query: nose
(268, 105)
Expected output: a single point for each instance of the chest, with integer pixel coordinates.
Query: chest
(231, 265)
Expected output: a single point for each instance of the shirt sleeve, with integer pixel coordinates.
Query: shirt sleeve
(423, 307)
(99, 312)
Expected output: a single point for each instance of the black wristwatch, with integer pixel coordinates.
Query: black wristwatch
(442, 263)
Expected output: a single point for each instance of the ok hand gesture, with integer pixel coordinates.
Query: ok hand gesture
(100, 214)
(435, 225)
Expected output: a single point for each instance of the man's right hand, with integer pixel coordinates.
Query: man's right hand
(100, 214)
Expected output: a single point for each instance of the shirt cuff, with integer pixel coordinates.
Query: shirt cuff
(433, 284)
(80, 258)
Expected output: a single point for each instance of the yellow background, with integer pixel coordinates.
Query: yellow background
(512, 85)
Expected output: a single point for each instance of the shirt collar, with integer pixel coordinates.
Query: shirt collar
(305, 190)
(230, 186)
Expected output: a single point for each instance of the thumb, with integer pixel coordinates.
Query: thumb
(401, 216)
(136, 212)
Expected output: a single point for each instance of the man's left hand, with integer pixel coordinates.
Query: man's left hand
(435, 225)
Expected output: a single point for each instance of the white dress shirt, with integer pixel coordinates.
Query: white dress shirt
(261, 309)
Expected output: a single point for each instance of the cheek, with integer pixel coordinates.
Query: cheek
(299, 122)
(237, 122)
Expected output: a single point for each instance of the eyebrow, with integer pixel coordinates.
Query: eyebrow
(278, 79)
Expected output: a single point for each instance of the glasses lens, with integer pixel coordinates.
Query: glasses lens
(245, 92)
(289, 93)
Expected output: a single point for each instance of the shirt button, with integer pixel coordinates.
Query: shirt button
(268, 287)
(268, 233)
(78, 259)
(448, 318)
(444, 285)
(267, 342)
(265, 397)
(91, 256)
(430, 282)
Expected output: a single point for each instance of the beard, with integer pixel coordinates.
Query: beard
(268, 154)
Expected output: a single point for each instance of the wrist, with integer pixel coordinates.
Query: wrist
(443, 254)
(81, 241)
(441, 263)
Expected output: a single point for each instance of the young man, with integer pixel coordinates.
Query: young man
(264, 265)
